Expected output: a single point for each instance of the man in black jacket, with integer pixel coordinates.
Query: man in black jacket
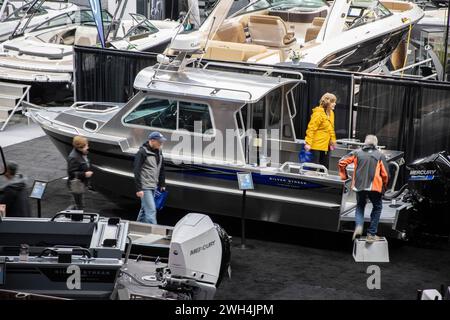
(149, 175)
(14, 195)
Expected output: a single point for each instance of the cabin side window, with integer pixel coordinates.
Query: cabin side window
(194, 117)
(172, 115)
(154, 112)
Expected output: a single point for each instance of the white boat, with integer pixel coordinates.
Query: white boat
(44, 55)
(14, 15)
(352, 35)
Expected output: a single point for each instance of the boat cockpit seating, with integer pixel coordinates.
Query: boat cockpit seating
(269, 31)
(231, 32)
(66, 37)
(86, 36)
(245, 52)
(313, 31)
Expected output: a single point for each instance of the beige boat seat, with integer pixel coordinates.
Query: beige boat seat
(230, 51)
(269, 31)
(397, 5)
(231, 32)
(313, 31)
(86, 36)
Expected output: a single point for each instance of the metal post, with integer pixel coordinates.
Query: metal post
(444, 71)
(244, 193)
(39, 208)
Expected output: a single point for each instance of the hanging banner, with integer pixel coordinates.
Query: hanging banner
(96, 8)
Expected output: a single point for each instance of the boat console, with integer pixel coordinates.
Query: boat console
(73, 254)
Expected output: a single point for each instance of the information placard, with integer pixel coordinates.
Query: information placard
(38, 189)
(245, 181)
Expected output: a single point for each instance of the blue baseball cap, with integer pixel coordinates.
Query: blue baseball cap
(155, 135)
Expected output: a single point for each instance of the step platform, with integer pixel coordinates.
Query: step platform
(376, 251)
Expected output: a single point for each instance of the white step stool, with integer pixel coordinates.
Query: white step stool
(376, 251)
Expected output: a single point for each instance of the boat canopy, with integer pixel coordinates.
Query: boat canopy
(210, 84)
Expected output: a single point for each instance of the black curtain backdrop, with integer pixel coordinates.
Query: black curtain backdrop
(412, 116)
(308, 97)
(107, 75)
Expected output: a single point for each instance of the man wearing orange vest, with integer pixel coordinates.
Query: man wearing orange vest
(370, 179)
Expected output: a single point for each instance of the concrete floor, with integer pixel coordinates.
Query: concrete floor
(285, 263)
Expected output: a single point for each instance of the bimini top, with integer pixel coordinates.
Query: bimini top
(210, 84)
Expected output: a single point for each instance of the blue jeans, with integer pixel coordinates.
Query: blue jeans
(147, 213)
(375, 198)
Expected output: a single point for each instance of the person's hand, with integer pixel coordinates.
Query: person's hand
(2, 210)
(333, 145)
(162, 189)
(307, 147)
(140, 194)
(88, 174)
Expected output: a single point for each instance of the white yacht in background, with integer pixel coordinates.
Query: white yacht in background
(44, 55)
(354, 35)
(14, 15)
(434, 20)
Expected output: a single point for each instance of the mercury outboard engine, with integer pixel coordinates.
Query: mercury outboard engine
(199, 257)
(429, 186)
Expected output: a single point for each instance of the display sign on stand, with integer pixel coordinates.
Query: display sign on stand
(38, 192)
(245, 182)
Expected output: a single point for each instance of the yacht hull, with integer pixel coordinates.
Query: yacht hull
(365, 55)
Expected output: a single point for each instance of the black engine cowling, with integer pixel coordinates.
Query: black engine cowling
(429, 186)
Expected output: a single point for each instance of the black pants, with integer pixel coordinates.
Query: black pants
(321, 157)
(79, 201)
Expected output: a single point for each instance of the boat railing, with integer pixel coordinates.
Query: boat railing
(58, 123)
(212, 93)
(83, 106)
(304, 168)
(356, 143)
(269, 70)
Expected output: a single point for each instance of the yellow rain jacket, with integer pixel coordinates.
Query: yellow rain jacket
(320, 130)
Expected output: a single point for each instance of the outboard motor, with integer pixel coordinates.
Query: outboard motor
(429, 186)
(199, 257)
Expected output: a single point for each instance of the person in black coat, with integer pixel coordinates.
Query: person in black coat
(14, 196)
(79, 170)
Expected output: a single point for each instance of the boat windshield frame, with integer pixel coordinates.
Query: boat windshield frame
(143, 22)
(274, 4)
(77, 20)
(367, 7)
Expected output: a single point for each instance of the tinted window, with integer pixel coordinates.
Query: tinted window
(190, 113)
(154, 112)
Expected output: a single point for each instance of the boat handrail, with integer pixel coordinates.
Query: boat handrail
(301, 167)
(215, 89)
(61, 124)
(355, 143)
(268, 70)
(78, 106)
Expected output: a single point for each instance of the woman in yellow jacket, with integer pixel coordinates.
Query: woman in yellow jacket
(320, 134)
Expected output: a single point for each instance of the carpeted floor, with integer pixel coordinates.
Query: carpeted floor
(284, 263)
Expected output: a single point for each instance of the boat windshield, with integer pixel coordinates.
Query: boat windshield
(281, 5)
(79, 17)
(12, 14)
(144, 26)
(362, 12)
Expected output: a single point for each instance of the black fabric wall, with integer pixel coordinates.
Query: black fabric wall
(308, 97)
(413, 116)
(107, 75)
